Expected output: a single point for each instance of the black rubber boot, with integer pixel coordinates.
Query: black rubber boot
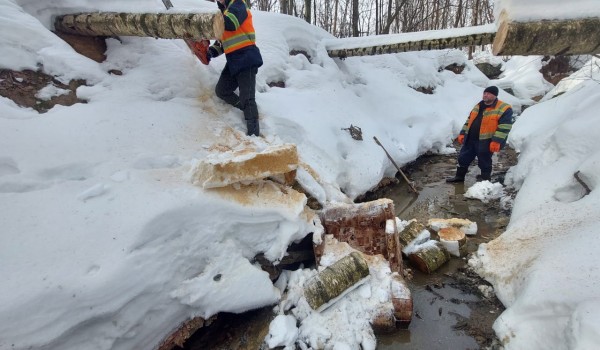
(460, 175)
(253, 127)
(484, 177)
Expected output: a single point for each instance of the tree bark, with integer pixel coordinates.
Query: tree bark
(362, 226)
(566, 37)
(410, 233)
(429, 258)
(159, 25)
(432, 44)
(335, 279)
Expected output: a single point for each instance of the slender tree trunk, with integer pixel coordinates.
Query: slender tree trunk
(307, 6)
(355, 17)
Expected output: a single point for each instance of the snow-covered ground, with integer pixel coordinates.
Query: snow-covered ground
(106, 244)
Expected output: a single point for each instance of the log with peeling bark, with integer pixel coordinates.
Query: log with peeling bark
(158, 25)
(413, 233)
(547, 37)
(431, 256)
(445, 40)
(335, 280)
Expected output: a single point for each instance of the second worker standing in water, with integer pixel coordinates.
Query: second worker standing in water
(243, 59)
(483, 134)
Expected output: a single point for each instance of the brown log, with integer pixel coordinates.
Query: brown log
(159, 25)
(410, 233)
(430, 257)
(384, 322)
(335, 279)
(401, 300)
(178, 337)
(362, 226)
(557, 37)
(454, 240)
(430, 44)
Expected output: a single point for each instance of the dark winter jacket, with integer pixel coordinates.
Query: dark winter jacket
(495, 123)
(239, 39)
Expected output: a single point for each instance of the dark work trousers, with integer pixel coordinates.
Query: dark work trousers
(246, 82)
(470, 150)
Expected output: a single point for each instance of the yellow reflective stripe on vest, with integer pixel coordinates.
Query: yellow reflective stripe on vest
(243, 36)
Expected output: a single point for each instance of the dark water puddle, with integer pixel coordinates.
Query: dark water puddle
(450, 309)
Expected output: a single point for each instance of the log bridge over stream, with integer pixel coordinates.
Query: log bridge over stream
(545, 37)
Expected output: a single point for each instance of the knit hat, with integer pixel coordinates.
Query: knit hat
(492, 90)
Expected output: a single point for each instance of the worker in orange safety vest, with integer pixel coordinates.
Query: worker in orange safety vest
(243, 59)
(483, 134)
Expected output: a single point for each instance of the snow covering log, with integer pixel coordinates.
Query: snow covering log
(444, 41)
(159, 25)
(363, 227)
(225, 168)
(384, 322)
(467, 226)
(454, 240)
(429, 256)
(413, 233)
(335, 279)
(547, 37)
(401, 300)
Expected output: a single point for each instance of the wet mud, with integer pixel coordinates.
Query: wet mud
(453, 307)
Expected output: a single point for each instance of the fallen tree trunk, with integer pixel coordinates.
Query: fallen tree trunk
(444, 40)
(157, 25)
(335, 279)
(560, 37)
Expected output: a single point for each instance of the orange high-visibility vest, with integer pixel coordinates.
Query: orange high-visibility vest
(489, 121)
(243, 36)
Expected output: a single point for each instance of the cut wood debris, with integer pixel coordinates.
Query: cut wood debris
(468, 227)
(245, 165)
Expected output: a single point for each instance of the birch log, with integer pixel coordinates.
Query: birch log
(429, 257)
(420, 45)
(159, 25)
(335, 279)
(558, 37)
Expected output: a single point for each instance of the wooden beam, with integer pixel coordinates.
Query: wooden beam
(159, 25)
(560, 37)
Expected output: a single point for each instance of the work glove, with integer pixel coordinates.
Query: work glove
(212, 53)
(461, 139)
(494, 146)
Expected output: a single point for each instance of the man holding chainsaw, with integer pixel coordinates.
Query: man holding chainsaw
(243, 59)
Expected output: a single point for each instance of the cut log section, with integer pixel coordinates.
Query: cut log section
(559, 37)
(413, 234)
(467, 226)
(429, 256)
(454, 240)
(225, 168)
(363, 227)
(402, 301)
(322, 289)
(158, 25)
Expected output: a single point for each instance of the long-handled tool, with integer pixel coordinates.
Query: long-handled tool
(397, 167)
